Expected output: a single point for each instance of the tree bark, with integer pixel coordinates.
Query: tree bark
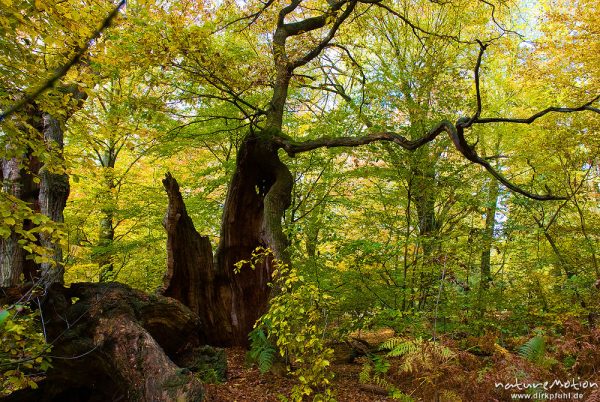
(54, 191)
(106, 236)
(191, 276)
(488, 234)
(229, 303)
(47, 196)
(11, 254)
(116, 343)
(258, 195)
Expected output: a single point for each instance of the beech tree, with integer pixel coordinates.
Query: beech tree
(258, 87)
(260, 189)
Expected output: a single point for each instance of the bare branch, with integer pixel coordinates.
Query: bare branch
(250, 17)
(455, 132)
(502, 29)
(417, 29)
(534, 117)
(482, 48)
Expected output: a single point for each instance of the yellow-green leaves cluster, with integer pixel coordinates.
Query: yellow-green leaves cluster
(19, 220)
(23, 349)
(296, 323)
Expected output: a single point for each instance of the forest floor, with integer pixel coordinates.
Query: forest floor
(477, 366)
(246, 384)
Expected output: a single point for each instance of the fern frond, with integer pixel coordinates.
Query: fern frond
(445, 352)
(534, 349)
(400, 347)
(450, 396)
(262, 352)
(392, 343)
(365, 374)
(401, 396)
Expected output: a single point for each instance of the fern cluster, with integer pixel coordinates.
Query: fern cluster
(419, 355)
(262, 351)
(372, 373)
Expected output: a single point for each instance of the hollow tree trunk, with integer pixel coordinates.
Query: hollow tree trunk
(258, 195)
(229, 303)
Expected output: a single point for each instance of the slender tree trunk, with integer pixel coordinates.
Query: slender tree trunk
(54, 191)
(424, 200)
(106, 234)
(488, 234)
(11, 254)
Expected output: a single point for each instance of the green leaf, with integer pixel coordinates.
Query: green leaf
(3, 316)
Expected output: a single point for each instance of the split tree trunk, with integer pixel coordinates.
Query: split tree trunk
(229, 303)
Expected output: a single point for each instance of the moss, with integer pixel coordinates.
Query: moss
(209, 364)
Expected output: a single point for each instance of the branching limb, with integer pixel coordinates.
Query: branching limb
(251, 18)
(417, 30)
(317, 49)
(455, 132)
(482, 48)
(293, 147)
(63, 70)
(476, 119)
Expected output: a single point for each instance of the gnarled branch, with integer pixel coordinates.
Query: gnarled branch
(454, 131)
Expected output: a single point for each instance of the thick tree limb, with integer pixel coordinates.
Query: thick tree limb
(455, 132)
(293, 147)
(62, 71)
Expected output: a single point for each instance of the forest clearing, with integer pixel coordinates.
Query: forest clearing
(299, 200)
